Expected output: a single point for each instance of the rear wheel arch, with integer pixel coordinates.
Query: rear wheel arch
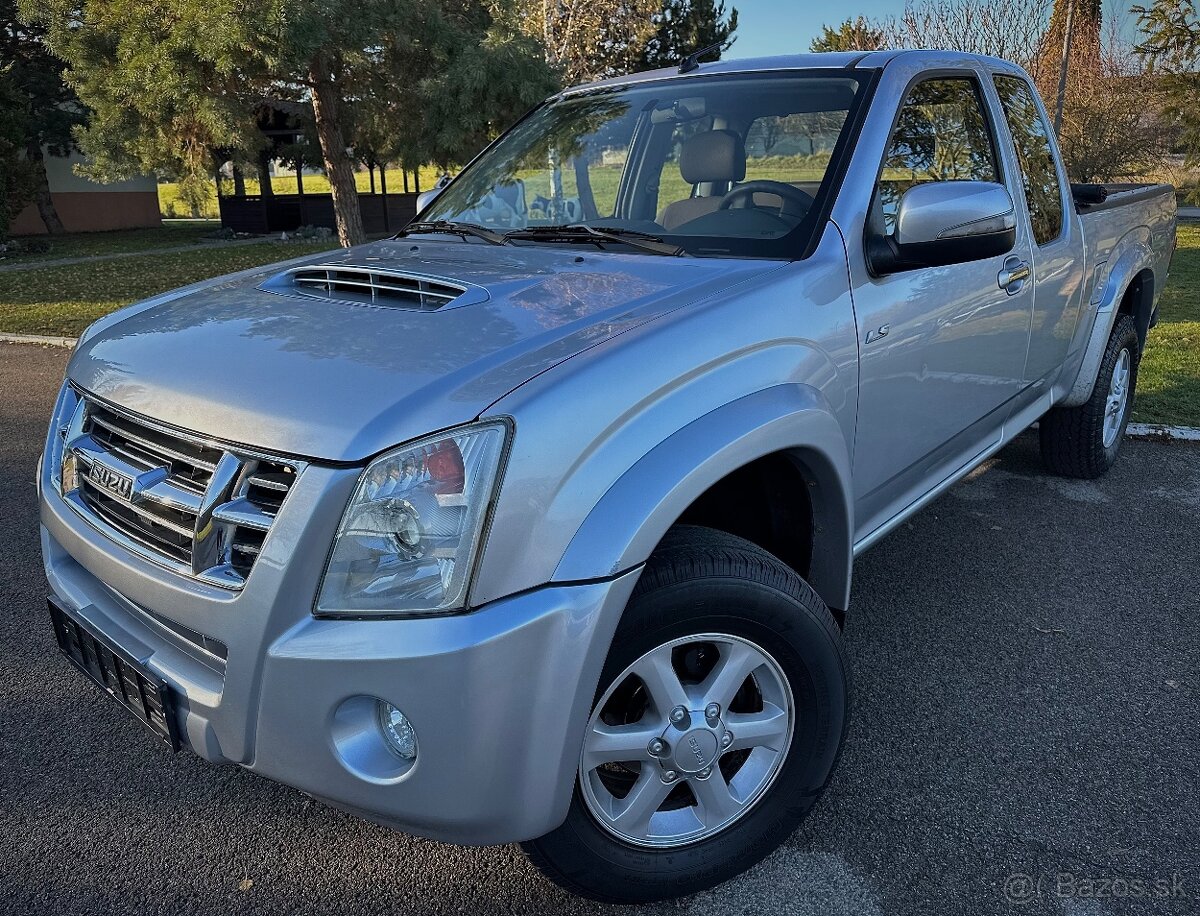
(1128, 290)
(1137, 301)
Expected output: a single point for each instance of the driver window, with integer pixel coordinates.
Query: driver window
(942, 134)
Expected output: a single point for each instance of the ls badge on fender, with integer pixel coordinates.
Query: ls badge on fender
(878, 333)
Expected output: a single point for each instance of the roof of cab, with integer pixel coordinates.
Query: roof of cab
(830, 60)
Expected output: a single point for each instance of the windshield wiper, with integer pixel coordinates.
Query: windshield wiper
(454, 228)
(579, 232)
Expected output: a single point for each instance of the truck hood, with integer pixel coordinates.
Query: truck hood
(341, 381)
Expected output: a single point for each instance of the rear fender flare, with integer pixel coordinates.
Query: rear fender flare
(1135, 255)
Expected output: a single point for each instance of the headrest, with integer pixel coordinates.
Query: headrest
(716, 155)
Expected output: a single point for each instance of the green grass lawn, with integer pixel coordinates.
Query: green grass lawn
(65, 300)
(1168, 388)
(90, 244)
(171, 206)
(604, 179)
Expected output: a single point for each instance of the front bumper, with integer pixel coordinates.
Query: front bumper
(499, 697)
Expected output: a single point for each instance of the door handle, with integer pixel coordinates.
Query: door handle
(1014, 274)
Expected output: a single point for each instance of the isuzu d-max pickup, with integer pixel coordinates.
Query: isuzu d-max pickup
(536, 522)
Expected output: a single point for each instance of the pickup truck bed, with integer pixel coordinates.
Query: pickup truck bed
(1092, 197)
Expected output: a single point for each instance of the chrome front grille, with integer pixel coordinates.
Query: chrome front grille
(197, 506)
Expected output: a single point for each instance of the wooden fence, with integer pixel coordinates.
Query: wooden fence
(284, 212)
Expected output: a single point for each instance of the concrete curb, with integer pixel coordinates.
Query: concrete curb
(1134, 430)
(67, 342)
(1157, 431)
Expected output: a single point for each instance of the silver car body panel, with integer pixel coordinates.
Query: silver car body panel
(630, 399)
(1126, 242)
(633, 384)
(340, 382)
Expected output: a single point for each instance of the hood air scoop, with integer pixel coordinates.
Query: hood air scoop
(378, 286)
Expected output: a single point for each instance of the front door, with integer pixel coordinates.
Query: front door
(942, 348)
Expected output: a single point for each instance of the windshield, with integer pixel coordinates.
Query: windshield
(718, 166)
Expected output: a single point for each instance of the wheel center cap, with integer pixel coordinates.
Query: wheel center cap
(696, 750)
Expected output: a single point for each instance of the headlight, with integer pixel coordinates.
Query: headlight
(65, 424)
(408, 541)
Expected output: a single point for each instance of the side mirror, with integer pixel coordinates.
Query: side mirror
(425, 198)
(947, 222)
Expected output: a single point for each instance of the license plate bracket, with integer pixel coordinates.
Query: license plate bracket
(142, 693)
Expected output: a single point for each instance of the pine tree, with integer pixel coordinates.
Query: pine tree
(170, 83)
(17, 177)
(50, 109)
(1171, 50)
(683, 27)
(852, 35)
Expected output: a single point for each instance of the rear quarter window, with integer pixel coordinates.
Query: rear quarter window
(1039, 171)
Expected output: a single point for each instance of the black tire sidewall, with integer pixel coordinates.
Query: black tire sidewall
(1124, 337)
(1072, 438)
(808, 651)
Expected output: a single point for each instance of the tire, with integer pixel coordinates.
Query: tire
(706, 602)
(1077, 441)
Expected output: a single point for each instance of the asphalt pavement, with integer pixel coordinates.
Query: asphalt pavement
(1024, 739)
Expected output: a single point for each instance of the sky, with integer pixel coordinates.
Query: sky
(787, 26)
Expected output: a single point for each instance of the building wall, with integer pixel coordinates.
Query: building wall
(86, 206)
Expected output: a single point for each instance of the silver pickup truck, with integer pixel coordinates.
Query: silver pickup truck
(536, 522)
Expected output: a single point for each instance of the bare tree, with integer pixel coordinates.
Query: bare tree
(1113, 125)
(859, 34)
(1011, 29)
(590, 39)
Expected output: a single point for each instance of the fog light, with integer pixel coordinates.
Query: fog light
(397, 731)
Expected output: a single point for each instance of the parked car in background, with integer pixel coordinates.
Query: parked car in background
(536, 523)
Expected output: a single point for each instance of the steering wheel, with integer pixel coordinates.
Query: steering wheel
(796, 203)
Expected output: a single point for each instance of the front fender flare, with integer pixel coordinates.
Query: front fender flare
(625, 526)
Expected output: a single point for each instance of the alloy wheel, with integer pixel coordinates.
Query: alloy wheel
(686, 740)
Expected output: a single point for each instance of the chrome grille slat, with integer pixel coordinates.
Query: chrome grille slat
(179, 500)
(154, 448)
(107, 510)
(244, 514)
(270, 483)
(186, 483)
(149, 461)
(130, 456)
(167, 494)
(146, 513)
